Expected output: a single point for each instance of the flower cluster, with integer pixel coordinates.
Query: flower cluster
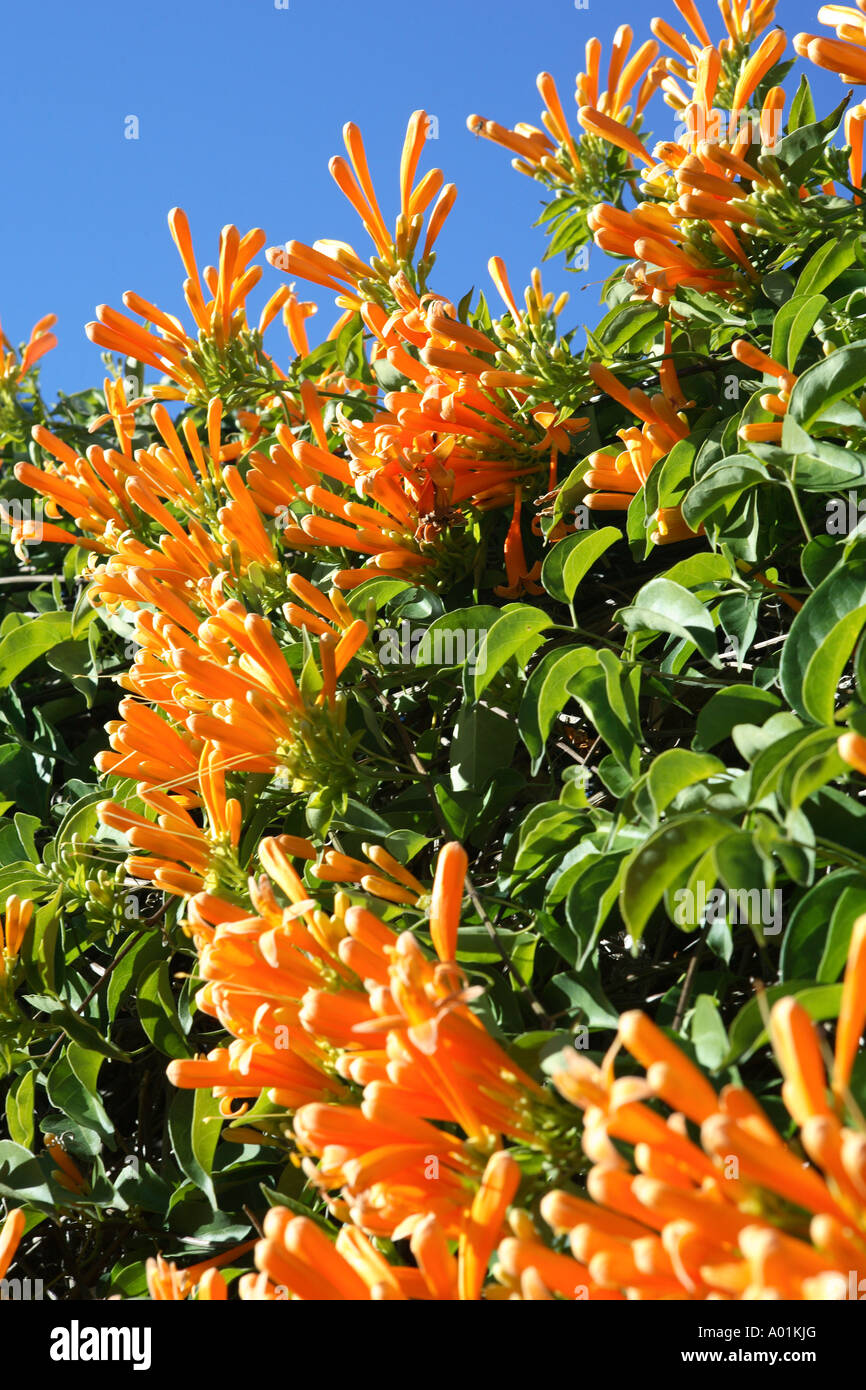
(846, 54)
(710, 208)
(399, 1096)
(412, 1122)
(713, 1201)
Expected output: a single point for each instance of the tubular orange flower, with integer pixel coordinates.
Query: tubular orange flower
(521, 579)
(19, 914)
(167, 1283)
(553, 155)
(751, 356)
(852, 749)
(597, 123)
(393, 882)
(852, 1011)
(845, 56)
(487, 1213)
(215, 361)
(42, 340)
(67, 1174)
(855, 123)
(771, 116)
(459, 435)
(765, 57)
(846, 59)
(341, 268)
(799, 1061)
(614, 477)
(447, 899)
(10, 1237)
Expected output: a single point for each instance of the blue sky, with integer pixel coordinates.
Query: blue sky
(240, 104)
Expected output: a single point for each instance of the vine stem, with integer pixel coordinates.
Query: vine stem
(789, 482)
(688, 985)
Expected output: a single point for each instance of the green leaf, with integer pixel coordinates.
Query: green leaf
(24, 645)
(350, 346)
(138, 1185)
(43, 941)
(388, 377)
(22, 1178)
(746, 871)
(27, 826)
(820, 556)
(276, 1198)
(775, 766)
(585, 996)
(573, 488)
(675, 769)
(662, 606)
(146, 950)
(792, 326)
(778, 286)
(570, 560)
(821, 466)
(545, 832)
(802, 106)
(194, 1124)
(81, 819)
(546, 695)
(625, 322)
(709, 1037)
(821, 678)
(825, 631)
(827, 381)
(696, 571)
(721, 486)
(659, 864)
(590, 900)
(804, 940)
(827, 264)
(72, 1089)
(669, 477)
(19, 1110)
(483, 741)
(600, 690)
(516, 633)
(800, 149)
(850, 904)
(158, 1012)
(456, 637)
(747, 1032)
(801, 782)
(475, 946)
